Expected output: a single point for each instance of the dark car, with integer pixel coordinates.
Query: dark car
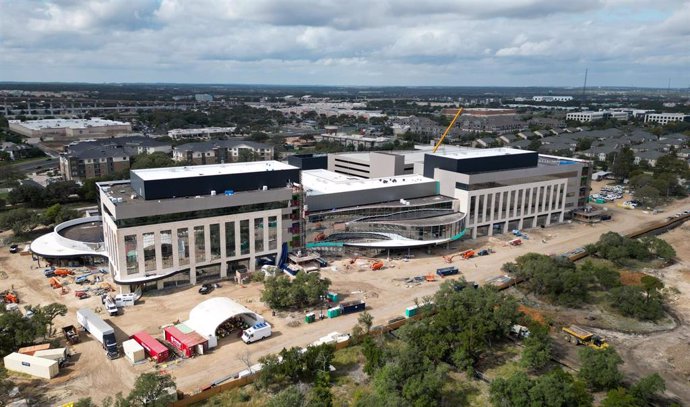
(205, 289)
(14, 248)
(322, 262)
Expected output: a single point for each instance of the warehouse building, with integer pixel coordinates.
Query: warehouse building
(81, 128)
(180, 225)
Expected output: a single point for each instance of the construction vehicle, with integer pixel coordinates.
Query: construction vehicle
(445, 133)
(515, 242)
(9, 297)
(465, 254)
(71, 334)
(63, 272)
(580, 336)
(54, 282)
(82, 295)
(377, 265)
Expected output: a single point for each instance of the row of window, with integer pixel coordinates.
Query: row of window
(237, 242)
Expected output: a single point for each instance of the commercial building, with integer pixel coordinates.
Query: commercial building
(393, 212)
(48, 128)
(369, 165)
(552, 98)
(205, 133)
(90, 159)
(180, 225)
(222, 151)
(666, 118)
(588, 116)
(355, 140)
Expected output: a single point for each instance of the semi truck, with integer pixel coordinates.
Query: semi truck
(257, 332)
(101, 331)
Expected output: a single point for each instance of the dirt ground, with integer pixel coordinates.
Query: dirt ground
(385, 292)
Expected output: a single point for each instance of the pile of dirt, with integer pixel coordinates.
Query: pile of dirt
(631, 277)
(532, 313)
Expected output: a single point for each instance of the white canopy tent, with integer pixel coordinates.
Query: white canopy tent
(206, 317)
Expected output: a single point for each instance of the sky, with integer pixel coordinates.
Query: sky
(641, 43)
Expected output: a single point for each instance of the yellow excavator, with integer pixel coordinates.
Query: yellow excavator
(450, 126)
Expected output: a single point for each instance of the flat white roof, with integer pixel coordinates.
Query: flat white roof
(153, 174)
(320, 182)
(202, 131)
(69, 123)
(417, 155)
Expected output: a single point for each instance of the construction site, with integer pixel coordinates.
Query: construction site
(388, 286)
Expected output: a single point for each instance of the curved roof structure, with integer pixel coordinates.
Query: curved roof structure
(60, 244)
(206, 317)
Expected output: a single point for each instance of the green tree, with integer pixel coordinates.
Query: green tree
(623, 163)
(289, 397)
(599, 368)
(57, 214)
(605, 276)
(651, 286)
(619, 398)
(306, 289)
(648, 195)
(20, 220)
(556, 278)
(648, 387)
(512, 391)
(631, 301)
(558, 388)
(537, 350)
(534, 145)
(373, 354)
(153, 160)
(671, 164)
(659, 247)
(320, 395)
(153, 390)
(246, 155)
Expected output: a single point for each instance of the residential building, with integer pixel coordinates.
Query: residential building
(204, 133)
(651, 156)
(222, 151)
(13, 150)
(666, 118)
(73, 128)
(357, 140)
(103, 157)
(184, 225)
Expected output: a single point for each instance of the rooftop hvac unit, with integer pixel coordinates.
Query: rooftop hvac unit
(213, 193)
(265, 188)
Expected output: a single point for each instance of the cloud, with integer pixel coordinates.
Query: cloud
(383, 42)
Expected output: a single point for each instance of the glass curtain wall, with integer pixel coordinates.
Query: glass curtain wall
(183, 246)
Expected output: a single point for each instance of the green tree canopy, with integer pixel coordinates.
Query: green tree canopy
(599, 368)
(306, 289)
(153, 390)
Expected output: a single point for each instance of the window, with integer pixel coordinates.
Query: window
(272, 233)
(149, 251)
(131, 251)
(199, 244)
(166, 248)
(230, 239)
(244, 236)
(183, 246)
(214, 230)
(259, 235)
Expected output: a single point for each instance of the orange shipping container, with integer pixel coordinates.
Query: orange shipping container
(30, 350)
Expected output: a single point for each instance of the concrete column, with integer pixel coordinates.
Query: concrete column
(474, 232)
(158, 251)
(529, 197)
(500, 206)
(476, 211)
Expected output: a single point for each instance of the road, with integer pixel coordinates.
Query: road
(35, 165)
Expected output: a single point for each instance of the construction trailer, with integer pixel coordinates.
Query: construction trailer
(58, 354)
(133, 351)
(31, 365)
(155, 350)
(186, 340)
(30, 350)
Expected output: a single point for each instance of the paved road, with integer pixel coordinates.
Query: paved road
(32, 166)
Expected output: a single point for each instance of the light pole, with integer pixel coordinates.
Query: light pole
(321, 298)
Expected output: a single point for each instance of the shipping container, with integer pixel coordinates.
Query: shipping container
(447, 271)
(31, 365)
(58, 354)
(186, 340)
(30, 350)
(133, 351)
(352, 306)
(156, 350)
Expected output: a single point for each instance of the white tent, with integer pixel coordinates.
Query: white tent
(206, 317)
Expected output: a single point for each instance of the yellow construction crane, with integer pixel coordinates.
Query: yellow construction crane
(450, 126)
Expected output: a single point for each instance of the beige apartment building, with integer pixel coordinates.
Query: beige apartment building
(222, 151)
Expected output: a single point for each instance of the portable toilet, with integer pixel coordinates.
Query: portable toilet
(133, 351)
(310, 317)
(333, 312)
(411, 311)
(333, 297)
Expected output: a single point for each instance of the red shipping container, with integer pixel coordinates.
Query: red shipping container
(153, 348)
(186, 340)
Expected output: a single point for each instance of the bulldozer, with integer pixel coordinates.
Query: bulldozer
(580, 336)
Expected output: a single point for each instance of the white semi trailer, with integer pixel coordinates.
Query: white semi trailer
(104, 333)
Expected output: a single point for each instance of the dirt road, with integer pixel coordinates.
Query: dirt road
(384, 292)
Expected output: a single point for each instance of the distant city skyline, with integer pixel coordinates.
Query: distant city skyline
(636, 43)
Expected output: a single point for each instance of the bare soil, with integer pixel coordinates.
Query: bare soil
(385, 292)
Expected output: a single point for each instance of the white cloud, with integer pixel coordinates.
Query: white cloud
(386, 42)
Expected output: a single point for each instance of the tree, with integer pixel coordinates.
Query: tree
(605, 276)
(57, 214)
(246, 155)
(599, 368)
(291, 396)
(619, 398)
(307, 289)
(623, 163)
(512, 391)
(671, 164)
(659, 247)
(647, 387)
(154, 160)
(583, 144)
(557, 278)
(373, 354)
(631, 301)
(553, 389)
(152, 390)
(651, 286)
(648, 195)
(20, 220)
(537, 348)
(320, 395)
(534, 145)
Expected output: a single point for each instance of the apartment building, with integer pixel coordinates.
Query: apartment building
(184, 225)
(588, 116)
(552, 98)
(222, 151)
(97, 158)
(205, 133)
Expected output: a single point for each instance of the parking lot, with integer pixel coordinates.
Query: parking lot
(386, 293)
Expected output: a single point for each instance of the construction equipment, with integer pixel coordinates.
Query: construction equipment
(9, 297)
(71, 334)
(82, 295)
(54, 282)
(450, 126)
(63, 272)
(515, 242)
(377, 265)
(580, 336)
(465, 254)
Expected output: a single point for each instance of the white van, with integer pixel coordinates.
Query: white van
(259, 331)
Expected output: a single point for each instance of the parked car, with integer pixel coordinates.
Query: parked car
(14, 248)
(205, 289)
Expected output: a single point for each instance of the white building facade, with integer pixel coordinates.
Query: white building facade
(665, 118)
